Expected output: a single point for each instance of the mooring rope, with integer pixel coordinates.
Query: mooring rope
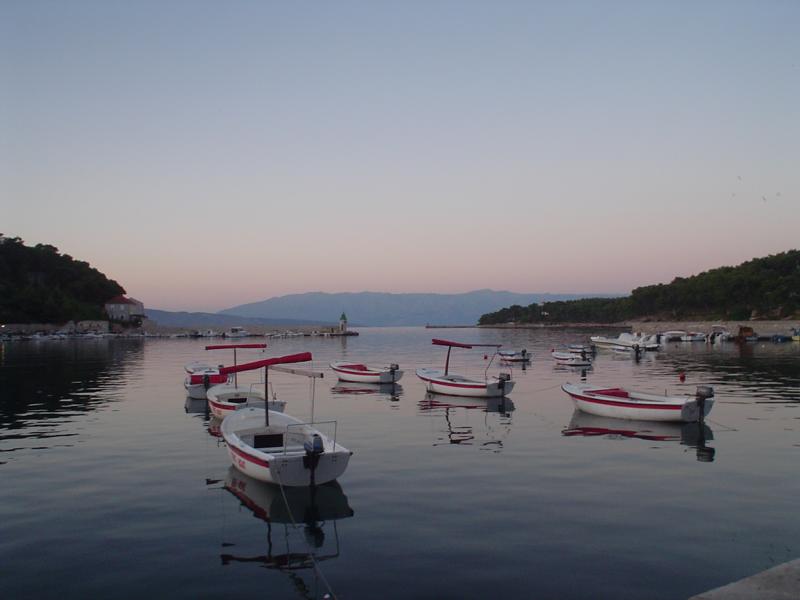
(314, 562)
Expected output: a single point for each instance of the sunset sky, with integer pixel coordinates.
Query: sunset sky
(207, 154)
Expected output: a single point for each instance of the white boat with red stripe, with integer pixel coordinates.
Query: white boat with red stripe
(278, 448)
(361, 373)
(441, 381)
(224, 399)
(287, 451)
(628, 404)
(201, 376)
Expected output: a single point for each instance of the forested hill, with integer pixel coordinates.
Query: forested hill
(40, 285)
(766, 287)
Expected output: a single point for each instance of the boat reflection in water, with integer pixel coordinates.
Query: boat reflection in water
(214, 424)
(312, 508)
(583, 371)
(386, 391)
(693, 435)
(461, 429)
(194, 406)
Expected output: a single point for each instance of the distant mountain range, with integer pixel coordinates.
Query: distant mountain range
(201, 320)
(384, 309)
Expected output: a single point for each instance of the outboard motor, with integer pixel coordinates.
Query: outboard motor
(314, 445)
(314, 535)
(705, 454)
(206, 381)
(501, 382)
(703, 393)
(393, 368)
(637, 352)
(314, 449)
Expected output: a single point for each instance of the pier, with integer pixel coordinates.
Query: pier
(778, 583)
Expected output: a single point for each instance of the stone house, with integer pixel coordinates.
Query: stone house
(125, 310)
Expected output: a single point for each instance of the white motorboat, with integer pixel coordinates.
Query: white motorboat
(693, 336)
(719, 333)
(672, 336)
(627, 404)
(237, 332)
(512, 356)
(361, 373)
(278, 448)
(201, 376)
(572, 360)
(224, 399)
(627, 340)
(443, 382)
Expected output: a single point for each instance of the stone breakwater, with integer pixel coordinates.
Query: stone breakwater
(648, 327)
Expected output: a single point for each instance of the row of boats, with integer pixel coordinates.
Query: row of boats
(269, 445)
(718, 334)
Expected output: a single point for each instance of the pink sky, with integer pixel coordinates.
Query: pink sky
(277, 149)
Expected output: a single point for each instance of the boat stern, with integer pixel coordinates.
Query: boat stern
(309, 469)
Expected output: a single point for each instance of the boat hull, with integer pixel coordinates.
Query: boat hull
(357, 373)
(196, 387)
(195, 391)
(454, 385)
(288, 465)
(640, 407)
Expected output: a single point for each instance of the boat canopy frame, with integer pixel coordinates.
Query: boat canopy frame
(450, 345)
(234, 348)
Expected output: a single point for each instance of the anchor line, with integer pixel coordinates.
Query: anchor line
(317, 568)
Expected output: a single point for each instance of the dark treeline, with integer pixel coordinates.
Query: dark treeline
(762, 287)
(40, 285)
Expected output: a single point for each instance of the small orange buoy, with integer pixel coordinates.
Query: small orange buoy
(682, 377)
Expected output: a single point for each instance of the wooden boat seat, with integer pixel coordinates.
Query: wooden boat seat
(651, 397)
(616, 392)
(268, 440)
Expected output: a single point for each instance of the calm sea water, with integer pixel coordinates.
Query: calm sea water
(114, 485)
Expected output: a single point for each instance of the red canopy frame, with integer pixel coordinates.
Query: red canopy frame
(226, 346)
(265, 364)
(278, 360)
(234, 347)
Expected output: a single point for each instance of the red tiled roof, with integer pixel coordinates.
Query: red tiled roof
(120, 300)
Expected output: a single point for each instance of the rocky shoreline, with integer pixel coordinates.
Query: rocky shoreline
(760, 327)
(648, 327)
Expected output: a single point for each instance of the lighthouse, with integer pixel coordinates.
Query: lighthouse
(343, 323)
